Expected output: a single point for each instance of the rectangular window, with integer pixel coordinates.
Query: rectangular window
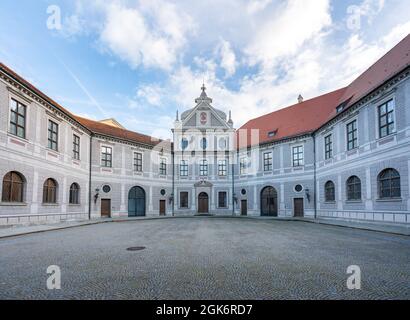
(163, 167)
(52, 135)
(76, 147)
(297, 156)
(267, 161)
(17, 119)
(203, 168)
(386, 119)
(183, 168)
(222, 199)
(137, 162)
(328, 147)
(106, 157)
(242, 166)
(222, 168)
(183, 200)
(351, 129)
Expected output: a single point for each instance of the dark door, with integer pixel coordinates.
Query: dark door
(136, 202)
(298, 207)
(203, 201)
(105, 208)
(162, 207)
(244, 208)
(269, 202)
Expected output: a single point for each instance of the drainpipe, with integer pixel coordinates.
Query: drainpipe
(314, 174)
(173, 181)
(89, 177)
(233, 188)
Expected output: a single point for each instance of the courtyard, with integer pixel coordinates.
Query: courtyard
(206, 258)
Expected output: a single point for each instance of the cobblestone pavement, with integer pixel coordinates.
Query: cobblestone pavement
(206, 258)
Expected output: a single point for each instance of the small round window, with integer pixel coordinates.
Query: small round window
(298, 188)
(106, 188)
(222, 143)
(163, 192)
(243, 192)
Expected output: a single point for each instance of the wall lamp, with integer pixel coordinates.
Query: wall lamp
(307, 194)
(97, 194)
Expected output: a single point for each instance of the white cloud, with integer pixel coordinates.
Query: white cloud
(228, 58)
(255, 6)
(151, 93)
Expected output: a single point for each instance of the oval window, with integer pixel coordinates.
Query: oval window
(106, 188)
(204, 143)
(298, 188)
(184, 143)
(222, 143)
(163, 192)
(243, 192)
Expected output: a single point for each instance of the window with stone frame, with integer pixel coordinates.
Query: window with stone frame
(106, 157)
(203, 168)
(222, 199)
(243, 162)
(386, 119)
(50, 191)
(183, 199)
(17, 119)
(354, 189)
(222, 168)
(163, 167)
(74, 197)
(76, 147)
(330, 192)
(52, 135)
(389, 184)
(13, 187)
(297, 154)
(328, 147)
(351, 129)
(267, 161)
(137, 162)
(183, 168)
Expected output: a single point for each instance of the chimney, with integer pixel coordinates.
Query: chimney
(300, 99)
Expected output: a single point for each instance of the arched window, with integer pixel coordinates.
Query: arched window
(354, 188)
(13, 187)
(50, 191)
(389, 184)
(329, 191)
(74, 194)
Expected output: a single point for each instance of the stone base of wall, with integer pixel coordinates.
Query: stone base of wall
(388, 217)
(40, 219)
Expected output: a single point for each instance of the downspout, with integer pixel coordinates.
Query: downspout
(314, 175)
(89, 177)
(233, 187)
(173, 180)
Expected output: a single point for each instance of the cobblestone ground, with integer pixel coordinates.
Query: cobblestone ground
(206, 259)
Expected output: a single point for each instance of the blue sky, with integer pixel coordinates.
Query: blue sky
(140, 60)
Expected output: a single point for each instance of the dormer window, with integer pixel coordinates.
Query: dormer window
(272, 133)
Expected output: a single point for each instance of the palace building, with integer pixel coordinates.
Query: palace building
(342, 155)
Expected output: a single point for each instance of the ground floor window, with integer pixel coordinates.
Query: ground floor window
(389, 184)
(222, 199)
(330, 191)
(183, 200)
(13, 187)
(74, 194)
(50, 191)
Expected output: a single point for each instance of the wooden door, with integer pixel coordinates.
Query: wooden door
(162, 207)
(105, 208)
(203, 203)
(298, 207)
(244, 208)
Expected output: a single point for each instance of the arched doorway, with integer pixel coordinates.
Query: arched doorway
(203, 203)
(136, 202)
(269, 202)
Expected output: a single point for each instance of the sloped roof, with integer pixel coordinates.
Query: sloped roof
(301, 118)
(106, 129)
(308, 116)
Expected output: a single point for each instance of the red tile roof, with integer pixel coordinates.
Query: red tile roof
(299, 119)
(105, 129)
(308, 116)
(91, 125)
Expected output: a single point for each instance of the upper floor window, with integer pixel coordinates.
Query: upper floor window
(52, 135)
(351, 130)
(328, 147)
(76, 147)
(354, 188)
(163, 167)
(106, 157)
(137, 162)
(204, 143)
(330, 191)
(74, 197)
(13, 187)
(267, 161)
(222, 200)
(386, 119)
(242, 165)
(184, 143)
(17, 119)
(222, 168)
(297, 156)
(183, 168)
(203, 168)
(389, 184)
(50, 191)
